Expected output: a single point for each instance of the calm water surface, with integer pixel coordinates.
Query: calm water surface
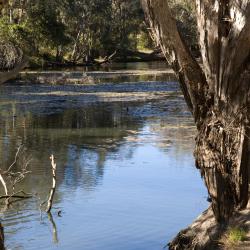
(126, 176)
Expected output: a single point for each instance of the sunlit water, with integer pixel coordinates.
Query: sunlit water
(125, 171)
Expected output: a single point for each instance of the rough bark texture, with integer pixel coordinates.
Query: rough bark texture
(217, 93)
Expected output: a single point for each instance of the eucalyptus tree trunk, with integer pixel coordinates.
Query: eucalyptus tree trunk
(217, 92)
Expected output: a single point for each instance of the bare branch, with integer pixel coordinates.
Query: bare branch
(13, 178)
(4, 184)
(15, 160)
(55, 235)
(53, 188)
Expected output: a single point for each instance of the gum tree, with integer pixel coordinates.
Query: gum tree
(216, 92)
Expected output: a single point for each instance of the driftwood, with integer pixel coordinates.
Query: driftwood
(53, 188)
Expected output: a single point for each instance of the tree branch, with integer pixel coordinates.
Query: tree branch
(192, 80)
(4, 184)
(53, 188)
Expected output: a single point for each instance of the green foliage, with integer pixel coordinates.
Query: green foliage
(184, 11)
(80, 30)
(236, 235)
(44, 24)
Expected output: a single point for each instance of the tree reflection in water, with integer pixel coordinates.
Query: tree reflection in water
(84, 140)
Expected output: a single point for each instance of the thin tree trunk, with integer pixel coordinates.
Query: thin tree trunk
(73, 54)
(217, 95)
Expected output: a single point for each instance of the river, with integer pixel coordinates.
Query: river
(126, 177)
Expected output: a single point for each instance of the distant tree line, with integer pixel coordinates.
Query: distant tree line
(79, 31)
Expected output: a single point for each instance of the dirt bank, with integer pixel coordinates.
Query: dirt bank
(206, 233)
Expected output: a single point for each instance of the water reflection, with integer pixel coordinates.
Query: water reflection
(120, 159)
(54, 228)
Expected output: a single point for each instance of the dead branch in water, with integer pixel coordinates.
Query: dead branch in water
(13, 177)
(55, 235)
(4, 184)
(16, 195)
(53, 188)
(7, 172)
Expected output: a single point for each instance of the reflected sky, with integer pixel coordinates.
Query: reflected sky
(126, 175)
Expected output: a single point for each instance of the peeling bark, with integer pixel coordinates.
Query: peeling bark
(217, 93)
(190, 75)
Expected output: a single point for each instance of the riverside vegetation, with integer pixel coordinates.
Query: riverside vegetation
(216, 88)
(73, 32)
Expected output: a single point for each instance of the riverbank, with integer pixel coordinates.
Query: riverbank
(117, 57)
(92, 77)
(206, 233)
